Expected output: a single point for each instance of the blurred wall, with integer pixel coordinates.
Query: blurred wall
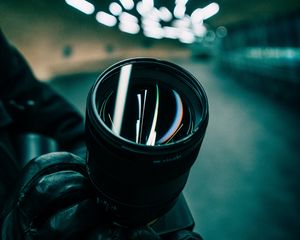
(57, 39)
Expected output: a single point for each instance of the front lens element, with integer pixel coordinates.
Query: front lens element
(145, 123)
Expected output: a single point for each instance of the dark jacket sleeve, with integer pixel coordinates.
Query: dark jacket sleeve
(32, 105)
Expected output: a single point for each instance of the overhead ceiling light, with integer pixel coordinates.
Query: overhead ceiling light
(140, 8)
(143, 7)
(153, 14)
(82, 5)
(179, 10)
(148, 4)
(186, 37)
(197, 15)
(106, 19)
(127, 17)
(182, 23)
(165, 14)
(210, 10)
(129, 27)
(170, 32)
(127, 4)
(182, 2)
(146, 22)
(154, 32)
(199, 29)
(115, 8)
(201, 14)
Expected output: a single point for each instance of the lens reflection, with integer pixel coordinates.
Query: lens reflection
(150, 114)
(146, 119)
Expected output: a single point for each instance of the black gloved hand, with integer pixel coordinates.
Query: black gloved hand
(55, 200)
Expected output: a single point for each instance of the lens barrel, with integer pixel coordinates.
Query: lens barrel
(145, 122)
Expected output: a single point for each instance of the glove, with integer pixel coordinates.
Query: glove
(55, 200)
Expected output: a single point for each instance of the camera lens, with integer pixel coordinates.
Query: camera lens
(145, 122)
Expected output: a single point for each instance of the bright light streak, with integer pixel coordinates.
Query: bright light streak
(210, 10)
(179, 11)
(170, 32)
(152, 134)
(106, 19)
(201, 14)
(82, 5)
(176, 122)
(115, 8)
(165, 14)
(186, 37)
(127, 17)
(121, 98)
(127, 4)
(129, 27)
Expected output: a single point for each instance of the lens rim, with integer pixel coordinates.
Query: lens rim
(120, 141)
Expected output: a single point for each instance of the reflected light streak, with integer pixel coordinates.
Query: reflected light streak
(121, 98)
(106, 19)
(176, 122)
(82, 5)
(152, 134)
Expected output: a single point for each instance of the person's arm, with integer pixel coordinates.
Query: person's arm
(33, 105)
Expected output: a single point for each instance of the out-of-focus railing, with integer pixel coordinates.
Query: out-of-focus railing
(265, 56)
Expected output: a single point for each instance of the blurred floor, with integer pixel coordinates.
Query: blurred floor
(245, 183)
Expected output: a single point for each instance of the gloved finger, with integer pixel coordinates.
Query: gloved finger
(45, 164)
(50, 193)
(51, 162)
(74, 222)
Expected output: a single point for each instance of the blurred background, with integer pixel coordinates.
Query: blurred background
(245, 183)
